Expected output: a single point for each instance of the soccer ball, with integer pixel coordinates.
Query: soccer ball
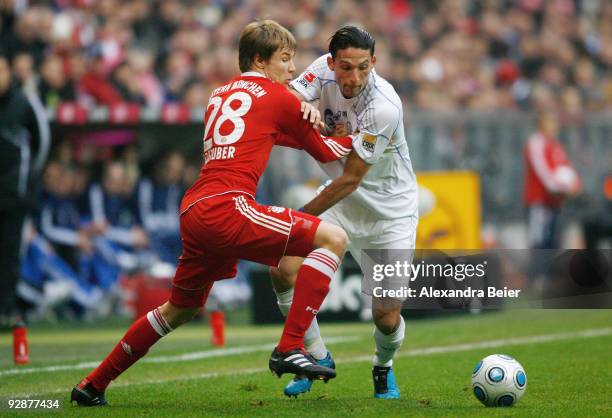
(499, 380)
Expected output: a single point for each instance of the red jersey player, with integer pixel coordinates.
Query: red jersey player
(221, 221)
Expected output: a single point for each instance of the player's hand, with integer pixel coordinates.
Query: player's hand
(340, 130)
(312, 115)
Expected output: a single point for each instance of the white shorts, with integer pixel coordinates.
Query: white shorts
(382, 234)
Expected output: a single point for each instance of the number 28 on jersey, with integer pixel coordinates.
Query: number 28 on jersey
(225, 125)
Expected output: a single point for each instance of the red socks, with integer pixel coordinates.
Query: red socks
(311, 287)
(136, 342)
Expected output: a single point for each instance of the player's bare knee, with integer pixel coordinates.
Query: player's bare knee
(281, 280)
(386, 320)
(275, 275)
(335, 239)
(340, 241)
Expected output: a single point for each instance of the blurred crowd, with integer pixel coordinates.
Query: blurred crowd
(440, 54)
(89, 233)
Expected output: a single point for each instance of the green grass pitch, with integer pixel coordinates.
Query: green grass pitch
(567, 356)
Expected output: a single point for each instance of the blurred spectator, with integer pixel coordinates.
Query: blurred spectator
(159, 201)
(549, 180)
(60, 217)
(148, 83)
(25, 76)
(113, 208)
(114, 213)
(25, 35)
(24, 145)
(95, 82)
(76, 66)
(178, 74)
(130, 159)
(168, 18)
(125, 82)
(55, 87)
(113, 37)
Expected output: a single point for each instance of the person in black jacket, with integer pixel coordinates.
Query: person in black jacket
(24, 145)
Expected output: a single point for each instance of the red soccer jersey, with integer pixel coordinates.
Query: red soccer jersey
(245, 118)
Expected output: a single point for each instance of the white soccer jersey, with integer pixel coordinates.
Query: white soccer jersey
(389, 189)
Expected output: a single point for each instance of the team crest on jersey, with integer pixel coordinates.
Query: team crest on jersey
(340, 117)
(369, 142)
(276, 209)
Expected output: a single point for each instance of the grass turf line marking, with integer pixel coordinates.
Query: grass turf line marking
(198, 355)
(536, 339)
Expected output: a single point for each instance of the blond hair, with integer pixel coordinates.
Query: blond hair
(262, 38)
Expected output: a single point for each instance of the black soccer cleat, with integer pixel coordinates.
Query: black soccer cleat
(299, 362)
(84, 394)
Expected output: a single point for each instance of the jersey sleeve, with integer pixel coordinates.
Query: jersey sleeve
(378, 129)
(295, 132)
(330, 149)
(309, 83)
(37, 125)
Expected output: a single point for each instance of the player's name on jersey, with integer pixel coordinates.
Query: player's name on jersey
(250, 86)
(219, 153)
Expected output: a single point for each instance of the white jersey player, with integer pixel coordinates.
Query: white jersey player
(374, 192)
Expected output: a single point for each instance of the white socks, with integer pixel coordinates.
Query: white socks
(387, 345)
(312, 339)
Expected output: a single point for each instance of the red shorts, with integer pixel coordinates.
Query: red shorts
(219, 230)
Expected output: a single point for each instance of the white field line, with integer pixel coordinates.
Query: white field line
(198, 355)
(536, 339)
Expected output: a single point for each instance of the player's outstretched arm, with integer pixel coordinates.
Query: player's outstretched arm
(295, 132)
(354, 171)
(324, 149)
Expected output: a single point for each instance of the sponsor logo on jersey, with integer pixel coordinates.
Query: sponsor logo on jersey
(369, 142)
(338, 118)
(276, 209)
(307, 79)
